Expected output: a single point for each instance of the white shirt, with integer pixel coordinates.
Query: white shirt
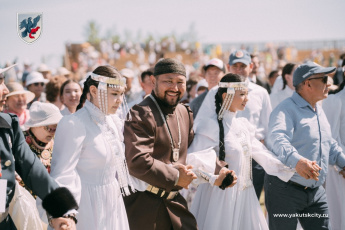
(278, 84)
(65, 111)
(281, 95)
(258, 109)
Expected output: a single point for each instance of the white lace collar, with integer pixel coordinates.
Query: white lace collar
(95, 112)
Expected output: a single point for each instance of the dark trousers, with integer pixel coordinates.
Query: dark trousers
(286, 202)
(258, 178)
(7, 224)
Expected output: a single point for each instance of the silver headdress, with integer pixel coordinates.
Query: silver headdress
(104, 83)
(232, 87)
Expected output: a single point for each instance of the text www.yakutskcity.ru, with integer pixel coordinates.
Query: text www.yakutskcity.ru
(298, 215)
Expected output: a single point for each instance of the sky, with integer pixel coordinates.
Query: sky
(217, 21)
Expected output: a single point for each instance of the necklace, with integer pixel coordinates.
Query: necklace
(175, 151)
(42, 150)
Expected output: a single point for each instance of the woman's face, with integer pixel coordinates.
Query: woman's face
(239, 101)
(37, 88)
(115, 98)
(16, 103)
(44, 133)
(71, 96)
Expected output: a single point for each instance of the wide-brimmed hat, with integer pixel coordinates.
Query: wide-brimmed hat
(42, 114)
(63, 71)
(15, 88)
(128, 73)
(7, 68)
(43, 68)
(202, 83)
(35, 77)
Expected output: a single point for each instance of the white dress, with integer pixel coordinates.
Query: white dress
(334, 108)
(235, 208)
(83, 162)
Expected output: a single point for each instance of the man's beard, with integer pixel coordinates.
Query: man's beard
(168, 103)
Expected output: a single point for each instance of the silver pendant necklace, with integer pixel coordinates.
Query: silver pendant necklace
(175, 151)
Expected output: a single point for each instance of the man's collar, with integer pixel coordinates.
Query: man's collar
(300, 101)
(5, 120)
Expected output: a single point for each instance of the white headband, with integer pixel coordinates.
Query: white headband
(104, 83)
(235, 85)
(232, 87)
(111, 82)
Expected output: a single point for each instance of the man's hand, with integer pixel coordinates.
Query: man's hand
(63, 224)
(342, 172)
(222, 174)
(186, 175)
(308, 169)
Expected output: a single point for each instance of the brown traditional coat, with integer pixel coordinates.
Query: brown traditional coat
(149, 158)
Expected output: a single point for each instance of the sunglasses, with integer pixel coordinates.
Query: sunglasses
(324, 79)
(39, 83)
(50, 130)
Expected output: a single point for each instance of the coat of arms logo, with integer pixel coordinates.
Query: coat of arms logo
(29, 26)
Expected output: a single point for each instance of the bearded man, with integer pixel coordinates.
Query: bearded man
(156, 139)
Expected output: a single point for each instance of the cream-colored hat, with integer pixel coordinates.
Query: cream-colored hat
(15, 88)
(42, 114)
(63, 71)
(7, 68)
(43, 68)
(128, 73)
(35, 77)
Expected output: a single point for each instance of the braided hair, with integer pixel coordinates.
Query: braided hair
(230, 77)
(107, 70)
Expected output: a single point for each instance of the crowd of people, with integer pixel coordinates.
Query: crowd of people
(169, 148)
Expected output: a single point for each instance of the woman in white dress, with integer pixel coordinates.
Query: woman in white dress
(233, 139)
(88, 156)
(70, 93)
(287, 87)
(334, 107)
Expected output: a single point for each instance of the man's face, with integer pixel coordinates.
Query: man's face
(319, 88)
(241, 69)
(256, 65)
(169, 87)
(146, 84)
(213, 75)
(129, 84)
(3, 92)
(37, 88)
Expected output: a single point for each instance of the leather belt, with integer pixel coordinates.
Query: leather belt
(297, 185)
(161, 192)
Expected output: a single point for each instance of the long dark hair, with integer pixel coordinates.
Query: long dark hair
(107, 71)
(287, 69)
(62, 88)
(341, 86)
(230, 77)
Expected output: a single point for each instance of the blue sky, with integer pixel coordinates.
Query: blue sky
(215, 21)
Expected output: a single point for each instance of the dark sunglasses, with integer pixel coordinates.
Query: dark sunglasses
(39, 83)
(324, 79)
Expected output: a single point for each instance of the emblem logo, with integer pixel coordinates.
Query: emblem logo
(239, 54)
(29, 26)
